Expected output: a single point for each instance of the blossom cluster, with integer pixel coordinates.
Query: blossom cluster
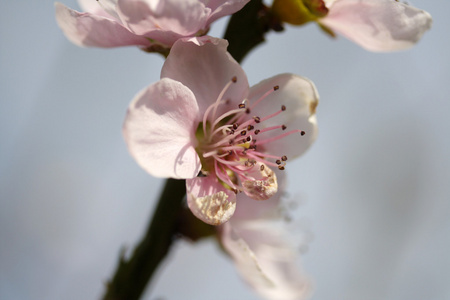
(203, 123)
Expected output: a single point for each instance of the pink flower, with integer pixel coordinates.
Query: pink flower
(263, 252)
(377, 25)
(202, 119)
(146, 23)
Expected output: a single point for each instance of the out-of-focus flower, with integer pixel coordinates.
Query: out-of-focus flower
(263, 251)
(376, 25)
(150, 24)
(202, 119)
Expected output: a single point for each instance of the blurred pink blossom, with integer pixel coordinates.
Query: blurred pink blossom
(145, 23)
(377, 25)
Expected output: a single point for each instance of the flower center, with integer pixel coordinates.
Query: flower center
(229, 148)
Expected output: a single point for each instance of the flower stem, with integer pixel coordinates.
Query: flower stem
(247, 28)
(133, 274)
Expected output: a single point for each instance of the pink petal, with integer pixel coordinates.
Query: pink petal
(204, 65)
(248, 208)
(153, 18)
(209, 200)
(300, 97)
(222, 8)
(103, 8)
(265, 259)
(159, 130)
(382, 25)
(85, 29)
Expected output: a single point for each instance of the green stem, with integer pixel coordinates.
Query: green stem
(133, 274)
(247, 28)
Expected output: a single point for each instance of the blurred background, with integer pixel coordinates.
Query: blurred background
(374, 190)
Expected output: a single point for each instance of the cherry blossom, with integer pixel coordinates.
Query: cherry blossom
(263, 250)
(150, 24)
(202, 122)
(376, 25)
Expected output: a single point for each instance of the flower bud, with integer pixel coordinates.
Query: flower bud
(299, 12)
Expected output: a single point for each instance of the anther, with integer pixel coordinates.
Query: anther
(235, 126)
(276, 87)
(257, 131)
(243, 132)
(283, 107)
(257, 119)
(247, 111)
(248, 139)
(234, 79)
(281, 168)
(284, 158)
(261, 168)
(250, 127)
(278, 162)
(283, 127)
(302, 133)
(241, 105)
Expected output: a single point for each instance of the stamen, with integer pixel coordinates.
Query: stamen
(219, 98)
(269, 140)
(272, 128)
(265, 95)
(272, 115)
(217, 121)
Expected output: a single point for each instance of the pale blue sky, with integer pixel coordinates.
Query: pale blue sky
(374, 189)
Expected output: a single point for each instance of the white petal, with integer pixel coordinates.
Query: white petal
(265, 259)
(247, 208)
(300, 97)
(262, 184)
(159, 130)
(382, 25)
(209, 200)
(204, 65)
